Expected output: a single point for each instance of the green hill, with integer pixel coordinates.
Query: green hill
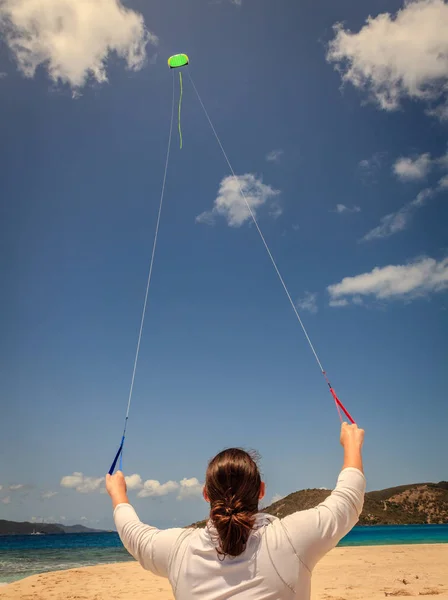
(26, 528)
(417, 503)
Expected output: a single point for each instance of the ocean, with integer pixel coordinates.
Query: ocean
(25, 555)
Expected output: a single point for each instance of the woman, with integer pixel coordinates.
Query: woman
(244, 554)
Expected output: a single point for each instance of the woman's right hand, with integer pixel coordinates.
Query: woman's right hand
(351, 436)
(116, 488)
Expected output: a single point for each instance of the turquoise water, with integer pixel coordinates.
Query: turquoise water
(387, 535)
(24, 555)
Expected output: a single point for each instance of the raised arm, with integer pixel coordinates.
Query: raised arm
(315, 532)
(150, 546)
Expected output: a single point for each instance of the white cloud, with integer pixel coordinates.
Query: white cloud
(231, 205)
(369, 167)
(276, 498)
(398, 56)
(442, 161)
(206, 218)
(342, 208)
(85, 519)
(402, 282)
(414, 168)
(408, 169)
(190, 488)
(16, 487)
(338, 303)
(81, 483)
(62, 518)
(3, 75)
(440, 112)
(6, 500)
(237, 2)
(308, 302)
(73, 40)
(374, 162)
(149, 488)
(153, 488)
(398, 221)
(275, 210)
(48, 495)
(134, 482)
(274, 155)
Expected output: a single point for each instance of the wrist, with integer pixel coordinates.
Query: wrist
(352, 454)
(353, 457)
(352, 447)
(119, 498)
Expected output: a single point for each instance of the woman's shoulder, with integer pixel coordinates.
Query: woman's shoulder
(265, 521)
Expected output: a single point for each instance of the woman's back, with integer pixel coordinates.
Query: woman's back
(278, 559)
(258, 573)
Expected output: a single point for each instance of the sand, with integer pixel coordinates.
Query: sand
(362, 573)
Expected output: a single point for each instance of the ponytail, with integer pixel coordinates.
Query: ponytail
(233, 484)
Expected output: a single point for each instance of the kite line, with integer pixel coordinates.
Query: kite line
(338, 403)
(119, 454)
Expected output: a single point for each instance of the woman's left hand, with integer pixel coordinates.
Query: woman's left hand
(116, 488)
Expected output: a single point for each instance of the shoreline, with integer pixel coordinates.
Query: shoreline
(346, 573)
(29, 555)
(102, 531)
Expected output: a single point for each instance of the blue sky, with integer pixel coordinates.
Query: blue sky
(345, 150)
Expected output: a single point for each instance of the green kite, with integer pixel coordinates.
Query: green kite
(178, 60)
(175, 62)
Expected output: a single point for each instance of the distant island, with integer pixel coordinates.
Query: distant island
(26, 528)
(414, 504)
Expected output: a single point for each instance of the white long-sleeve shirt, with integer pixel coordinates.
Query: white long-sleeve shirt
(276, 564)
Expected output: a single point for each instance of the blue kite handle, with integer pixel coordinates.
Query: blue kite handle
(117, 456)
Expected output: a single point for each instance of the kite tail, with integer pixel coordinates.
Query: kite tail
(180, 106)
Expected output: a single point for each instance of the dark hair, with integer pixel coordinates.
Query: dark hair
(233, 484)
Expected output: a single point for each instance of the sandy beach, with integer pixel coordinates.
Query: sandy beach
(361, 573)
